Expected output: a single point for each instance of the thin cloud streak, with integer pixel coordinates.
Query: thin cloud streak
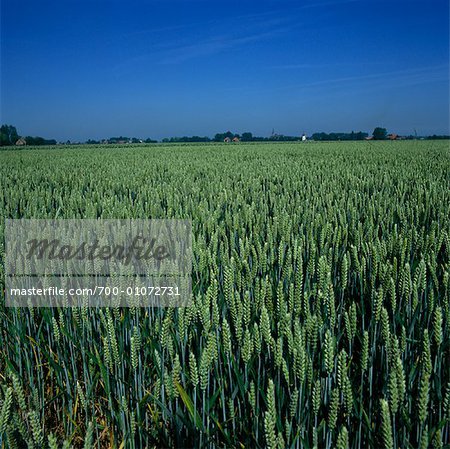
(258, 31)
(398, 78)
(212, 47)
(325, 65)
(417, 76)
(328, 3)
(172, 52)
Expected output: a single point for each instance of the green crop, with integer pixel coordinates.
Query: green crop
(320, 309)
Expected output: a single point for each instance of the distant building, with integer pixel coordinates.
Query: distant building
(227, 140)
(369, 138)
(236, 139)
(21, 142)
(392, 136)
(303, 137)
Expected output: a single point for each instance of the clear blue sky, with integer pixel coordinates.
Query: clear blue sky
(78, 69)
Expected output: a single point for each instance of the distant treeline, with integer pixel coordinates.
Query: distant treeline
(10, 136)
(249, 137)
(186, 139)
(39, 141)
(119, 140)
(340, 136)
(435, 137)
(378, 134)
(244, 137)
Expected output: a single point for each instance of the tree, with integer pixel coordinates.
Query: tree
(339, 136)
(361, 136)
(379, 133)
(8, 135)
(219, 137)
(39, 141)
(247, 137)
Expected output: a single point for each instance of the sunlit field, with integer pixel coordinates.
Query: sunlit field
(320, 311)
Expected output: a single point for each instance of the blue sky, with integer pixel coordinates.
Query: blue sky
(78, 69)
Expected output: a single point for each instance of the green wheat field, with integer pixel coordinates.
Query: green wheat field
(320, 313)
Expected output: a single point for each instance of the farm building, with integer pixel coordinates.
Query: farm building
(236, 139)
(227, 140)
(21, 142)
(392, 136)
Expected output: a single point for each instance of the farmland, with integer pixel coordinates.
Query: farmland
(320, 311)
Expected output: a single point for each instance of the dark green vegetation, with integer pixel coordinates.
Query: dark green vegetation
(339, 136)
(379, 133)
(9, 137)
(321, 301)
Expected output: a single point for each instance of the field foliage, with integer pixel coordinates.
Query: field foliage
(320, 311)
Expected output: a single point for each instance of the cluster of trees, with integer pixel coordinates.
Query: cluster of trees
(9, 136)
(220, 137)
(39, 141)
(379, 133)
(435, 137)
(129, 139)
(120, 139)
(339, 136)
(186, 139)
(249, 137)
